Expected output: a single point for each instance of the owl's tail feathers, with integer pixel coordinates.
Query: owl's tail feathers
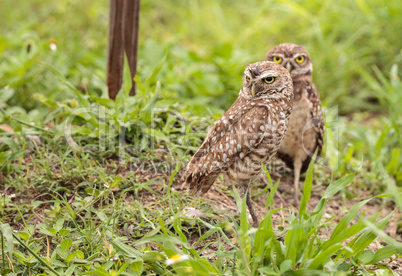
(199, 182)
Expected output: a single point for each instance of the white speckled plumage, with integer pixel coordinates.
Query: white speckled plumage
(248, 134)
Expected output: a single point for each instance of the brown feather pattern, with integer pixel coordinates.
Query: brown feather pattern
(248, 134)
(305, 132)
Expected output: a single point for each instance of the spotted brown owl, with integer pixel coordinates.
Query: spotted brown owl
(248, 134)
(306, 128)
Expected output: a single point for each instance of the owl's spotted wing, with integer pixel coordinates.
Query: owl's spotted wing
(318, 125)
(316, 114)
(239, 131)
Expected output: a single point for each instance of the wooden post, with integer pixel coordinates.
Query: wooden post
(131, 30)
(123, 38)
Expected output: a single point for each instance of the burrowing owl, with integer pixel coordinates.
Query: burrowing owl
(306, 128)
(248, 134)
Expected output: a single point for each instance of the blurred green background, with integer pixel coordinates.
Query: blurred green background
(197, 51)
(207, 43)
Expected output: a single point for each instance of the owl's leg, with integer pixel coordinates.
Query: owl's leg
(251, 210)
(297, 164)
(243, 188)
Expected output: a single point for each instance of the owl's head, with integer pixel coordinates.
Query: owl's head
(266, 79)
(293, 57)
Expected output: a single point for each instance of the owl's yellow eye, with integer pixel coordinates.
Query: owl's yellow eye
(277, 59)
(247, 78)
(300, 59)
(269, 80)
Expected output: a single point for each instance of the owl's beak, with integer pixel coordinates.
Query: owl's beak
(289, 66)
(253, 90)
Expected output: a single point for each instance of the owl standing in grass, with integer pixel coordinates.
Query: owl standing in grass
(305, 131)
(248, 134)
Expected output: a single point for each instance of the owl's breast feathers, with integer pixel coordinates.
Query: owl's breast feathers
(304, 84)
(246, 127)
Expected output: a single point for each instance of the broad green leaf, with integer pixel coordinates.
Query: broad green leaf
(116, 182)
(101, 215)
(6, 93)
(70, 270)
(59, 225)
(62, 252)
(79, 254)
(66, 243)
(196, 267)
(302, 272)
(104, 102)
(98, 272)
(19, 254)
(382, 254)
(48, 231)
(344, 267)
(125, 249)
(24, 236)
(122, 268)
(70, 257)
(267, 271)
(153, 257)
(7, 233)
(366, 257)
(64, 232)
(285, 266)
(136, 265)
(170, 249)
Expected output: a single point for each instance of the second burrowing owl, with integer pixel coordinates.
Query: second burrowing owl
(306, 128)
(248, 134)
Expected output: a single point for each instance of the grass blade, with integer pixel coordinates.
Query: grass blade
(366, 238)
(273, 188)
(395, 244)
(307, 189)
(383, 253)
(169, 188)
(343, 224)
(338, 185)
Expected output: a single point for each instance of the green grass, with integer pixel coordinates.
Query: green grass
(95, 180)
(88, 236)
